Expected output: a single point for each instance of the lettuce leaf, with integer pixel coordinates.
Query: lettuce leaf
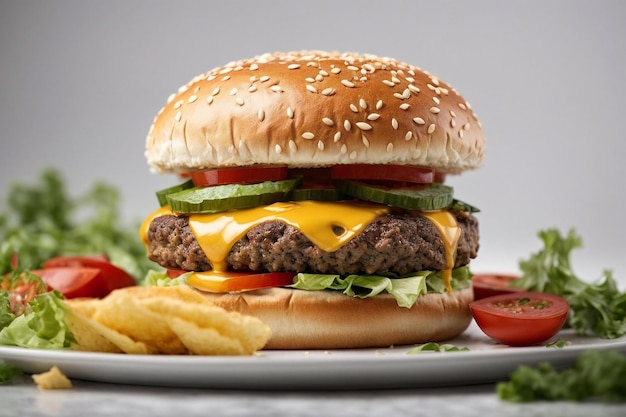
(405, 289)
(42, 328)
(160, 278)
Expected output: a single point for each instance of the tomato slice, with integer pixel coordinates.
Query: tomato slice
(384, 173)
(112, 277)
(488, 285)
(520, 319)
(239, 175)
(74, 282)
(221, 282)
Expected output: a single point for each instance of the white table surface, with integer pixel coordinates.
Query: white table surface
(23, 398)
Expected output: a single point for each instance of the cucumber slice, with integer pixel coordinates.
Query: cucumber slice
(433, 197)
(162, 194)
(316, 194)
(230, 197)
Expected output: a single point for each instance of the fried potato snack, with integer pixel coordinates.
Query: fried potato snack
(162, 320)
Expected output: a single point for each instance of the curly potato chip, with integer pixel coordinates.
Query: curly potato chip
(168, 320)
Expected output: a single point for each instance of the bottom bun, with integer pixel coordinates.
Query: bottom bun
(331, 320)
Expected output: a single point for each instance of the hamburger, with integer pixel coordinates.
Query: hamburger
(312, 195)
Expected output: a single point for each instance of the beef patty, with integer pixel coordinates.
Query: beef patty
(398, 243)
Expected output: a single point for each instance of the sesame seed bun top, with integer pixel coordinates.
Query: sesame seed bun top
(315, 109)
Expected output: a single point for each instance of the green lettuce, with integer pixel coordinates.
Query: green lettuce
(160, 278)
(405, 289)
(43, 327)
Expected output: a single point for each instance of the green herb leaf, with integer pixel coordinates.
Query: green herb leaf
(594, 375)
(436, 347)
(595, 308)
(8, 372)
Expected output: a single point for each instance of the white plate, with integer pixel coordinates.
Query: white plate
(345, 369)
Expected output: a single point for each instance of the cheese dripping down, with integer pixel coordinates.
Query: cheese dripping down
(329, 225)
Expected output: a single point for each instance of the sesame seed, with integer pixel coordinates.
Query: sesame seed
(413, 88)
(337, 137)
(363, 104)
(254, 67)
(193, 98)
(278, 149)
(461, 105)
(364, 126)
(399, 96)
(347, 83)
(390, 147)
(461, 134)
(211, 77)
(328, 122)
(352, 68)
(379, 104)
(276, 88)
(410, 79)
(354, 108)
(432, 87)
(182, 89)
(347, 125)
(290, 112)
(394, 123)
(308, 135)
(178, 104)
(365, 141)
(389, 83)
(233, 91)
(395, 80)
(319, 77)
(310, 88)
(261, 115)
(466, 126)
(226, 78)
(344, 149)
(309, 80)
(434, 110)
(264, 78)
(178, 116)
(335, 70)
(171, 97)
(452, 123)
(328, 91)
(252, 88)
(405, 106)
(292, 145)
(373, 116)
(452, 113)
(240, 101)
(209, 99)
(406, 93)
(436, 100)
(431, 128)
(293, 66)
(419, 120)
(408, 135)
(353, 155)
(320, 145)
(323, 73)
(215, 91)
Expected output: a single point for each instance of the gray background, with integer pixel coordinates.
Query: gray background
(80, 82)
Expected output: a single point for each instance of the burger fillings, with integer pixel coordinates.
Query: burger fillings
(324, 170)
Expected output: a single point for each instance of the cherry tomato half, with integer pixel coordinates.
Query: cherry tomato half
(238, 175)
(521, 318)
(238, 281)
(384, 173)
(111, 277)
(488, 285)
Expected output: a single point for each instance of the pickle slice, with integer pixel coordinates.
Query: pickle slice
(229, 197)
(315, 194)
(433, 197)
(162, 194)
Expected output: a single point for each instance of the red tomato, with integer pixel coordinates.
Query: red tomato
(74, 281)
(488, 285)
(238, 281)
(111, 276)
(520, 319)
(384, 173)
(238, 175)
